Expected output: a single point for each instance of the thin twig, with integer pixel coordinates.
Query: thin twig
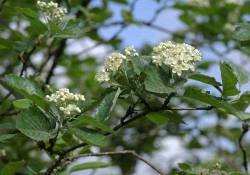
(245, 128)
(188, 108)
(131, 152)
(58, 54)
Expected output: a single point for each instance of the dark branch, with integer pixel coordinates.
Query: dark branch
(245, 128)
(58, 53)
(131, 152)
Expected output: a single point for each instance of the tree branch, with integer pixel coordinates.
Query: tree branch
(58, 54)
(245, 128)
(131, 152)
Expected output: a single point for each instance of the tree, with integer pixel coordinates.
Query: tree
(136, 99)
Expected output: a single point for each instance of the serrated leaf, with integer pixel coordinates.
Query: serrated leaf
(28, 88)
(141, 63)
(70, 30)
(229, 80)
(6, 137)
(239, 73)
(214, 101)
(158, 118)
(27, 12)
(12, 167)
(157, 82)
(204, 79)
(89, 136)
(93, 122)
(242, 32)
(22, 103)
(34, 124)
(89, 165)
(206, 98)
(107, 105)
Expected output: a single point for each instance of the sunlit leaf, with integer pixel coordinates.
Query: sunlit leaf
(229, 80)
(34, 124)
(107, 105)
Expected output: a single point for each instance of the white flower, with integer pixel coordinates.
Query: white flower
(130, 51)
(52, 11)
(114, 61)
(66, 101)
(180, 57)
(102, 77)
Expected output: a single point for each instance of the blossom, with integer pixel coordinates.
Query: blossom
(114, 61)
(130, 51)
(179, 57)
(66, 101)
(102, 76)
(51, 10)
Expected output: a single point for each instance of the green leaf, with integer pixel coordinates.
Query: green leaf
(184, 166)
(215, 101)
(28, 88)
(5, 43)
(107, 105)
(204, 79)
(70, 30)
(206, 98)
(90, 136)
(89, 165)
(7, 126)
(34, 124)
(12, 167)
(27, 12)
(237, 173)
(239, 73)
(120, 1)
(128, 16)
(229, 80)
(93, 122)
(242, 32)
(158, 118)
(157, 82)
(141, 63)
(6, 137)
(22, 103)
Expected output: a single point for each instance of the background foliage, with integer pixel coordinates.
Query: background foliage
(212, 137)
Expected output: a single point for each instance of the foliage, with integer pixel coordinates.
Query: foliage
(139, 98)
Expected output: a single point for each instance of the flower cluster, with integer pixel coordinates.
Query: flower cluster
(66, 101)
(130, 51)
(114, 62)
(52, 11)
(180, 57)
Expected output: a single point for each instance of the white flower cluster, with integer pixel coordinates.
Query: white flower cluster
(180, 57)
(66, 101)
(102, 76)
(130, 51)
(113, 63)
(199, 3)
(52, 10)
